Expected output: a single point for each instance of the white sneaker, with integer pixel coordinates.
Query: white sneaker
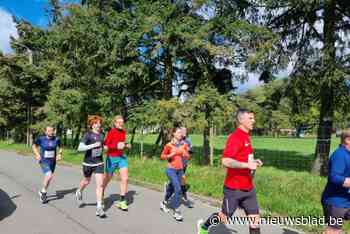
(177, 215)
(42, 197)
(164, 207)
(100, 212)
(79, 197)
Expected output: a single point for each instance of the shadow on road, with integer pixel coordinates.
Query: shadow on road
(109, 201)
(286, 231)
(221, 229)
(60, 194)
(7, 206)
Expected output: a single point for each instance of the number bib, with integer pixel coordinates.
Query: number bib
(96, 152)
(49, 154)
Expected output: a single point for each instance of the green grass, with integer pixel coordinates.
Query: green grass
(284, 186)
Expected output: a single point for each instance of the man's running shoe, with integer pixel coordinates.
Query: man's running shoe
(122, 205)
(43, 197)
(200, 228)
(164, 206)
(177, 215)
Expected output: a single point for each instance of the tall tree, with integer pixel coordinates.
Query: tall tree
(312, 35)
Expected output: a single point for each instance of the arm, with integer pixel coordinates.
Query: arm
(59, 154)
(232, 163)
(35, 148)
(229, 156)
(337, 170)
(59, 150)
(186, 154)
(166, 154)
(83, 147)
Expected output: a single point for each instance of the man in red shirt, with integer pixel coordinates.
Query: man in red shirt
(239, 189)
(116, 159)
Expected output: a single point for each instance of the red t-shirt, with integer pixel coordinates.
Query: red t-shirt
(238, 147)
(114, 136)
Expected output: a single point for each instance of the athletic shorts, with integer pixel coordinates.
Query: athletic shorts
(88, 170)
(236, 198)
(335, 216)
(47, 166)
(115, 163)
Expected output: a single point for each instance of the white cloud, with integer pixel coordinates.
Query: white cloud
(7, 29)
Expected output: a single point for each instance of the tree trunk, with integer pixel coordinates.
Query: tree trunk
(166, 136)
(211, 142)
(64, 137)
(77, 137)
(206, 147)
(133, 132)
(156, 144)
(28, 125)
(324, 132)
(141, 144)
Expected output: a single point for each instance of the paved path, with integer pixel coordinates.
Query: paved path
(21, 211)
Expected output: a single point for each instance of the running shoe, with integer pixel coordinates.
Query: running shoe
(200, 228)
(100, 212)
(122, 205)
(79, 197)
(177, 215)
(43, 197)
(164, 206)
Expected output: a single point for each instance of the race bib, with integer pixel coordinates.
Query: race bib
(96, 152)
(49, 154)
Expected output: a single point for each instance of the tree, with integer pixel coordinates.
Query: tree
(22, 74)
(208, 108)
(311, 33)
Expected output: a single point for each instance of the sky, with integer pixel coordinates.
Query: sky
(35, 12)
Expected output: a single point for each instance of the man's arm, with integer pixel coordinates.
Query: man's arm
(59, 154)
(36, 152)
(232, 163)
(337, 171)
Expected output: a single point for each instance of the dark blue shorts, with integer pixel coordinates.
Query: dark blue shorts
(48, 166)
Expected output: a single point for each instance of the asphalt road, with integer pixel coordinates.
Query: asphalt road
(22, 212)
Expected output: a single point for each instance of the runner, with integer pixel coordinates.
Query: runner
(239, 189)
(336, 195)
(45, 149)
(93, 162)
(175, 151)
(116, 159)
(184, 186)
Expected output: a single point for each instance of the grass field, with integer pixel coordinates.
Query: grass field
(284, 185)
